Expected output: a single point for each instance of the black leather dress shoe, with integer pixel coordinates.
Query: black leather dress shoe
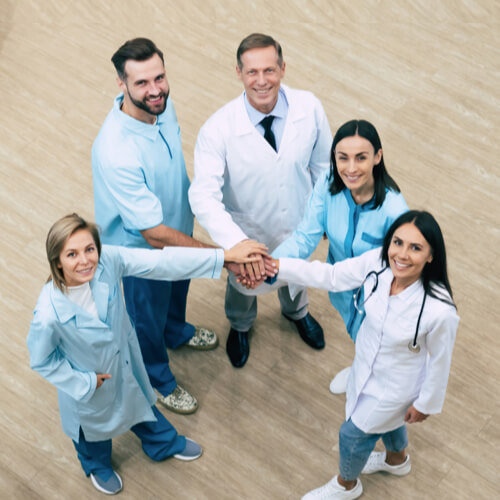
(237, 347)
(310, 331)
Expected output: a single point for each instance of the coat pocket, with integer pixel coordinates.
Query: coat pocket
(372, 240)
(102, 400)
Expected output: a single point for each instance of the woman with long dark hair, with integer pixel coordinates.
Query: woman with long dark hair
(403, 348)
(353, 204)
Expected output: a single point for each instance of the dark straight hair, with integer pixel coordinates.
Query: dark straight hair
(435, 272)
(137, 49)
(381, 177)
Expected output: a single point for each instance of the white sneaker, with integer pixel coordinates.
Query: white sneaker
(376, 463)
(334, 491)
(338, 385)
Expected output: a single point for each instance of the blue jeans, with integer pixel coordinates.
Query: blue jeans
(158, 312)
(159, 441)
(355, 447)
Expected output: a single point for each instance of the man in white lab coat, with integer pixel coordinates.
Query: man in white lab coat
(256, 161)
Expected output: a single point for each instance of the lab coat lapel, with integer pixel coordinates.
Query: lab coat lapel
(414, 293)
(244, 127)
(66, 309)
(242, 123)
(290, 132)
(378, 307)
(100, 291)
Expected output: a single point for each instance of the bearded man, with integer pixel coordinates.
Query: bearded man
(140, 195)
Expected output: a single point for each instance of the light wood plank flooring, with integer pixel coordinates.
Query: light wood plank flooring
(425, 73)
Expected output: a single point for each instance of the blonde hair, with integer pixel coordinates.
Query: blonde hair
(57, 238)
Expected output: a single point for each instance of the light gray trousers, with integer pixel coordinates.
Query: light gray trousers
(241, 310)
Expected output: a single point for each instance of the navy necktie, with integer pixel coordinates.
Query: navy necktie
(268, 133)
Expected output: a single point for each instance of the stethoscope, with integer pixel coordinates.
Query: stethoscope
(412, 345)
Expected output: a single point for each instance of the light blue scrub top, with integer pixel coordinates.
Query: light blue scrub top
(68, 345)
(140, 177)
(351, 229)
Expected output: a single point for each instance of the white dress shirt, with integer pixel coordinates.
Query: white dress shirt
(279, 112)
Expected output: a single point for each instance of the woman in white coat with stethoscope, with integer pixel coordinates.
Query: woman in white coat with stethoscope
(403, 349)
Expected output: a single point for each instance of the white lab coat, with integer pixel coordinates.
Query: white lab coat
(386, 377)
(242, 188)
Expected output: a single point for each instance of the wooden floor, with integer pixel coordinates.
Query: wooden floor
(425, 73)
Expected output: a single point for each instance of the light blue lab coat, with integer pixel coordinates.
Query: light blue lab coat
(68, 346)
(351, 229)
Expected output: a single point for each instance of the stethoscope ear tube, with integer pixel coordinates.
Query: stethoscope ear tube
(356, 294)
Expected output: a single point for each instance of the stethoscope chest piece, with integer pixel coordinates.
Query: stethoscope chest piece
(413, 348)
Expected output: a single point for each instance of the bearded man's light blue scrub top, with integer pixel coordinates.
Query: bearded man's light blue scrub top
(140, 181)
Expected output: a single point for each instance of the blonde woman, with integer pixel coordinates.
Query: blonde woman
(82, 341)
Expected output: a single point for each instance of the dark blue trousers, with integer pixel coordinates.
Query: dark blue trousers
(158, 311)
(159, 441)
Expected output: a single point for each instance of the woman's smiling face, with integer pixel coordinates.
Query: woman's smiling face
(356, 159)
(79, 258)
(408, 254)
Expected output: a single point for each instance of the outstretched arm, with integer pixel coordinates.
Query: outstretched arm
(345, 275)
(205, 193)
(162, 236)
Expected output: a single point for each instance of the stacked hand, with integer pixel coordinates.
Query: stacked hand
(254, 267)
(245, 252)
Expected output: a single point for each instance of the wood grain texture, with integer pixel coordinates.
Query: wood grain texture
(425, 73)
